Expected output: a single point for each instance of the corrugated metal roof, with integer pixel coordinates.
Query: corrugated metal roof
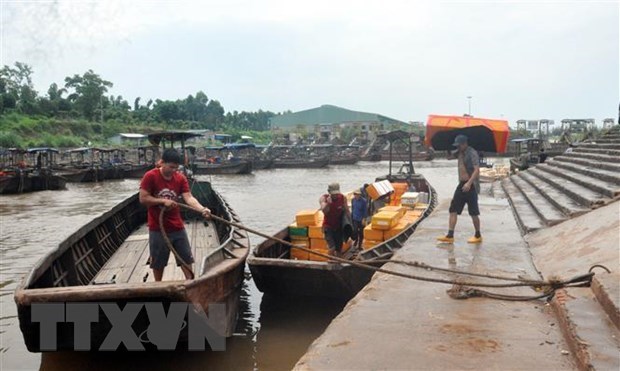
(327, 114)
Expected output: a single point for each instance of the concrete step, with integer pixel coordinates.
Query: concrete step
(605, 188)
(594, 156)
(527, 218)
(598, 151)
(584, 166)
(591, 336)
(599, 145)
(554, 195)
(607, 140)
(584, 196)
(547, 211)
(606, 288)
(591, 163)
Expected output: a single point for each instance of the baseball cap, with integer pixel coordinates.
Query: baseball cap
(460, 139)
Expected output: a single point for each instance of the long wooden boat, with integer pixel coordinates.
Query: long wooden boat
(82, 174)
(106, 261)
(14, 182)
(262, 164)
(344, 160)
(276, 273)
(299, 163)
(137, 171)
(239, 167)
(24, 181)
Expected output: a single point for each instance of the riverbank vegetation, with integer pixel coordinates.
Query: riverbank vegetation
(80, 111)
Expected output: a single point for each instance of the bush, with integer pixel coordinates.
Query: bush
(9, 139)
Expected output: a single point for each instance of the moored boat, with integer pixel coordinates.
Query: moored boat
(232, 167)
(300, 163)
(276, 271)
(106, 260)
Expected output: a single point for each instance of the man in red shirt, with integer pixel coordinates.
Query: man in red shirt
(162, 187)
(334, 205)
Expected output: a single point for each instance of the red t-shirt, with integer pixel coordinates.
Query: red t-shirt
(333, 218)
(155, 184)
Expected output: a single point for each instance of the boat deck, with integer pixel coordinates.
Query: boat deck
(129, 264)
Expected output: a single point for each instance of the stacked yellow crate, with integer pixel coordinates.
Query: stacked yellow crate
(314, 238)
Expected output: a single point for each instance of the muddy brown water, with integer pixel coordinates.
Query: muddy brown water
(272, 334)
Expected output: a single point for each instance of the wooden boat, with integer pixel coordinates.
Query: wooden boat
(371, 157)
(276, 273)
(344, 160)
(345, 155)
(300, 163)
(23, 178)
(107, 261)
(236, 167)
(262, 164)
(14, 182)
(137, 171)
(144, 160)
(82, 167)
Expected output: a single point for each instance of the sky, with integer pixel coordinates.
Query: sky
(402, 59)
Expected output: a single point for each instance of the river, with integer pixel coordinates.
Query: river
(271, 334)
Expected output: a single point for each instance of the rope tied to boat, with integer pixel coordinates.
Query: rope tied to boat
(461, 290)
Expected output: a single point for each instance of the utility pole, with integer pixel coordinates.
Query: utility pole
(469, 104)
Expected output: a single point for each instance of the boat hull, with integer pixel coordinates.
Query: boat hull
(67, 275)
(262, 164)
(344, 160)
(275, 273)
(301, 164)
(137, 172)
(242, 167)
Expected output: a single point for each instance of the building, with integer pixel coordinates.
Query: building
(128, 139)
(329, 122)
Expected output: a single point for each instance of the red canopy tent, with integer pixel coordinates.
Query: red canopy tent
(489, 135)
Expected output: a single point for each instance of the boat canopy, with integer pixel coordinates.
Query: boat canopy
(42, 149)
(489, 135)
(395, 135)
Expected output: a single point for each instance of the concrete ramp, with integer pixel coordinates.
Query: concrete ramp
(397, 323)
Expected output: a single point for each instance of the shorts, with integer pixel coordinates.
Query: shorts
(160, 253)
(334, 238)
(461, 198)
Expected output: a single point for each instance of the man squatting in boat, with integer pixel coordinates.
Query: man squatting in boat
(333, 204)
(161, 187)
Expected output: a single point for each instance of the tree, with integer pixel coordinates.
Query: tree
(16, 88)
(89, 90)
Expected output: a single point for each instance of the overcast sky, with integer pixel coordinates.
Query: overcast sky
(403, 59)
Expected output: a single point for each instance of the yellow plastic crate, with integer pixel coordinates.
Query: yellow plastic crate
(372, 234)
(399, 209)
(385, 220)
(316, 258)
(318, 243)
(316, 231)
(297, 254)
(306, 218)
(401, 226)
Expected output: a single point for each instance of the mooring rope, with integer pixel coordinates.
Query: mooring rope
(547, 287)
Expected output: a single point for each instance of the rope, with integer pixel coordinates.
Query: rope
(459, 291)
(169, 243)
(548, 287)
